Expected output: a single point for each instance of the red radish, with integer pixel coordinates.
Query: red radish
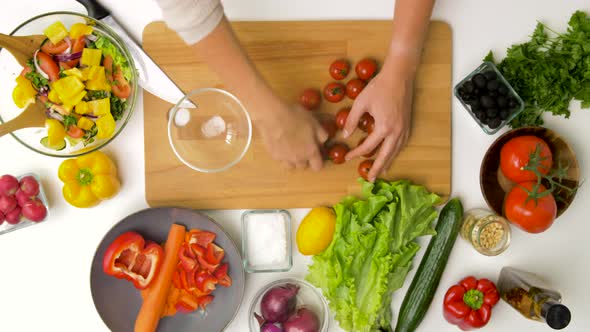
(22, 197)
(1, 218)
(13, 217)
(29, 186)
(8, 185)
(7, 203)
(34, 210)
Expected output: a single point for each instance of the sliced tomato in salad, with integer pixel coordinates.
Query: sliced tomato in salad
(75, 132)
(48, 66)
(121, 88)
(51, 48)
(78, 46)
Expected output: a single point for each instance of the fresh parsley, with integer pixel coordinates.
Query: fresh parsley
(89, 135)
(118, 107)
(69, 120)
(550, 70)
(97, 94)
(36, 79)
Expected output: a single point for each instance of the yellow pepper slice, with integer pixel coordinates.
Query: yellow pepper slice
(106, 126)
(53, 96)
(82, 108)
(75, 72)
(56, 32)
(74, 100)
(99, 107)
(97, 79)
(85, 123)
(68, 87)
(79, 29)
(91, 57)
(88, 179)
(23, 93)
(55, 132)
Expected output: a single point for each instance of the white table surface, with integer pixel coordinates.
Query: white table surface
(44, 274)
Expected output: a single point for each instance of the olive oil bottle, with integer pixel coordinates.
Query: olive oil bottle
(533, 298)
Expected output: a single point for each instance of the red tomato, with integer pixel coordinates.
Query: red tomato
(528, 215)
(51, 48)
(329, 126)
(366, 122)
(341, 117)
(78, 46)
(75, 132)
(366, 69)
(120, 86)
(372, 153)
(48, 66)
(310, 99)
(364, 168)
(337, 152)
(354, 88)
(334, 92)
(339, 69)
(515, 155)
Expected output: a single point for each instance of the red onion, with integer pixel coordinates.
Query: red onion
(67, 57)
(37, 68)
(90, 116)
(69, 42)
(304, 320)
(54, 115)
(43, 91)
(278, 303)
(91, 37)
(268, 327)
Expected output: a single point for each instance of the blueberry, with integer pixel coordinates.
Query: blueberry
(468, 86)
(493, 85)
(490, 75)
(475, 103)
(492, 112)
(484, 119)
(502, 101)
(512, 102)
(504, 114)
(479, 114)
(479, 81)
(476, 91)
(493, 94)
(494, 123)
(503, 90)
(487, 101)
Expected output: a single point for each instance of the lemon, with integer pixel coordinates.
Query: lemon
(55, 132)
(316, 231)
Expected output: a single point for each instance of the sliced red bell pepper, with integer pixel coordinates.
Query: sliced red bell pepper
(203, 301)
(204, 281)
(221, 275)
(202, 238)
(187, 262)
(128, 257)
(469, 303)
(214, 254)
(198, 250)
(206, 265)
(183, 279)
(176, 279)
(186, 303)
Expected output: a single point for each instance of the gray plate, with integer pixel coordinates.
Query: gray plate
(118, 302)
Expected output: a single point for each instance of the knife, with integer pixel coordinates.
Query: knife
(152, 77)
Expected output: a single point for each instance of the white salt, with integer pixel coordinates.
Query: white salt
(213, 127)
(267, 238)
(182, 117)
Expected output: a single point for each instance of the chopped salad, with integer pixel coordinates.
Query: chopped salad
(84, 81)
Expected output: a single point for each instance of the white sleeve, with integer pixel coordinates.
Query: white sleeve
(191, 19)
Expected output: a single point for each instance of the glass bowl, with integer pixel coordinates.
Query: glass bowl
(247, 242)
(10, 69)
(209, 130)
(487, 67)
(308, 296)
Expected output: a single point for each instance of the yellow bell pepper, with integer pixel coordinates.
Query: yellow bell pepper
(82, 108)
(85, 123)
(74, 100)
(76, 73)
(99, 107)
(23, 93)
(53, 96)
(56, 32)
(79, 29)
(88, 179)
(91, 57)
(97, 79)
(55, 132)
(106, 126)
(68, 87)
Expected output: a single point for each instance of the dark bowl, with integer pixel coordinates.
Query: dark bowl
(495, 186)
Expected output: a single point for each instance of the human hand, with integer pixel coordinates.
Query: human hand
(388, 98)
(293, 136)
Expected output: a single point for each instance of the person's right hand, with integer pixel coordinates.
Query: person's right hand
(293, 136)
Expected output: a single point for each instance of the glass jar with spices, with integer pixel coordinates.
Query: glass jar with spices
(487, 232)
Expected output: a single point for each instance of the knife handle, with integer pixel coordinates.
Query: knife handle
(95, 9)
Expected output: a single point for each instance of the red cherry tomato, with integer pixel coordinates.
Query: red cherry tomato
(354, 88)
(337, 152)
(515, 155)
(372, 153)
(531, 216)
(329, 126)
(51, 48)
(366, 69)
(48, 66)
(334, 92)
(339, 69)
(366, 122)
(364, 168)
(341, 117)
(310, 99)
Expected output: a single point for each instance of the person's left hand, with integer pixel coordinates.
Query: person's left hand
(388, 98)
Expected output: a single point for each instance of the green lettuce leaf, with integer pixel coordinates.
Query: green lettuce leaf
(372, 251)
(108, 48)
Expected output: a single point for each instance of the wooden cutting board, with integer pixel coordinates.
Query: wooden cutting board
(293, 56)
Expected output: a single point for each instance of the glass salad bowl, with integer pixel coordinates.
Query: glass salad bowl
(121, 108)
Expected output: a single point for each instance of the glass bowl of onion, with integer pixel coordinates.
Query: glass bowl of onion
(288, 305)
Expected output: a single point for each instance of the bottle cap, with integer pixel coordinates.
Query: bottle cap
(558, 316)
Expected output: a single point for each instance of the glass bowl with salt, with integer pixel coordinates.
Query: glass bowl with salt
(266, 241)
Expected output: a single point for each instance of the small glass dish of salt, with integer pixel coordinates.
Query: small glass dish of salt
(266, 241)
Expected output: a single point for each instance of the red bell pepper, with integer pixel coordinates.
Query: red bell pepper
(204, 281)
(186, 303)
(204, 301)
(129, 257)
(469, 303)
(221, 275)
(206, 265)
(198, 250)
(214, 254)
(202, 238)
(187, 262)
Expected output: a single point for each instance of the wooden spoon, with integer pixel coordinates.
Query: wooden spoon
(32, 116)
(21, 47)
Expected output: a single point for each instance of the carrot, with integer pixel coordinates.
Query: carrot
(155, 301)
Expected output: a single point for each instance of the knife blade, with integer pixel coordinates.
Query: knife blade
(151, 77)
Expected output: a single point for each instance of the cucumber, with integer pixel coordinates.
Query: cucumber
(427, 278)
(58, 147)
